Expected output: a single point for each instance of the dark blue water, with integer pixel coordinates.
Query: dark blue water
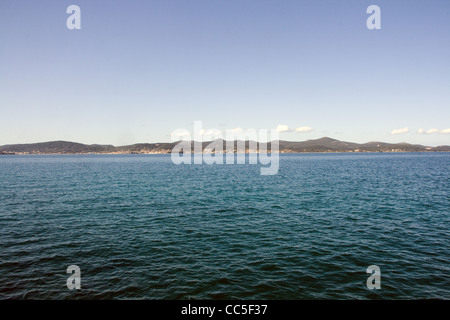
(139, 226)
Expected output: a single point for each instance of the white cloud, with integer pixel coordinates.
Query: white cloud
(180, 134)
(211, 134)
(237, 130)
(282, 128)
(434, 130)
(400, 131)
(304, 129)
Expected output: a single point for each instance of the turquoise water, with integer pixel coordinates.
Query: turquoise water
(139, 226)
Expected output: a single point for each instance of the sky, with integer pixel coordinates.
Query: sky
(138, 70)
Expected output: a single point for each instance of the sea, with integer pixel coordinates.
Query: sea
(142, 227)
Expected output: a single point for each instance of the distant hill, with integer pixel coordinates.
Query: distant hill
(332, 145)
(56, 147)
(318, 145)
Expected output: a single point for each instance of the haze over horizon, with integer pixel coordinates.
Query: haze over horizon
(137, 71)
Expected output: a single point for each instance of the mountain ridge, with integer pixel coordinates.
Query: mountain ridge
(324, 144)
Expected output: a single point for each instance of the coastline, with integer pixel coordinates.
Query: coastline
(168, 153)
(322, 145)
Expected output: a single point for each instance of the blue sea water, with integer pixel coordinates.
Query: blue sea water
(140, 227)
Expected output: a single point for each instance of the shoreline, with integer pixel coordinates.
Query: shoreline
(322, 145)
(169, 153)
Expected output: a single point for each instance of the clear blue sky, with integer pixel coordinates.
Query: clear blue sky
(137, 70)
